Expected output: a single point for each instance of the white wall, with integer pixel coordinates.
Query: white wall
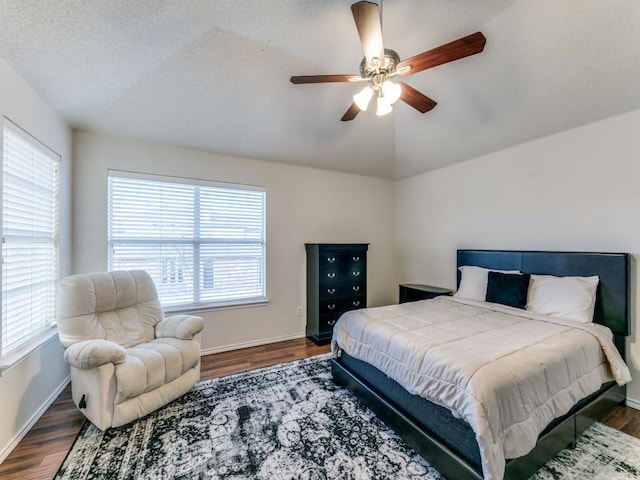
(303, 205)
(577, 191)
(27, 388)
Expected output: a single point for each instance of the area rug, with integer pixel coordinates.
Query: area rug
(290, 421)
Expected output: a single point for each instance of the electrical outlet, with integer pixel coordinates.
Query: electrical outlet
(299, 311)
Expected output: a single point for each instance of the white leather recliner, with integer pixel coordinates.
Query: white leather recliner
(126, 358)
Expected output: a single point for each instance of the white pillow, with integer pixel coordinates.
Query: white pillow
(473, 282)
(572, 298)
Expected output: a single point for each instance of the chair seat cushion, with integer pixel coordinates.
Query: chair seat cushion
(150, 365)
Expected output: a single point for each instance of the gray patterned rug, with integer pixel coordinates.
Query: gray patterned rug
(291, 422)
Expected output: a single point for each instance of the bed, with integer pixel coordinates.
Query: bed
(448, 442)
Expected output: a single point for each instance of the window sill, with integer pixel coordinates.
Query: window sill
(14, 357)
(212, 307)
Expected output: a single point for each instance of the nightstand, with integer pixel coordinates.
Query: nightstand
(412, 292)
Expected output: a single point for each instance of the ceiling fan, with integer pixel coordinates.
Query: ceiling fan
(380, 65)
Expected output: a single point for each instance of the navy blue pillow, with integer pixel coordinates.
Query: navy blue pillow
(508, 288)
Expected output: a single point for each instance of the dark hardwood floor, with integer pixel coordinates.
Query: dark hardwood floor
(40, 453)
(42, 450)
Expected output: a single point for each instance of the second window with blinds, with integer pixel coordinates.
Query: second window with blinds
(203, 243)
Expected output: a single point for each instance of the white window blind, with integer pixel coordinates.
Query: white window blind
(30, 173)
(203, 244)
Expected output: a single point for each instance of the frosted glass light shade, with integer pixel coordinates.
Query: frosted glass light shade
(384, 106)
(391, 91)
(363, 97)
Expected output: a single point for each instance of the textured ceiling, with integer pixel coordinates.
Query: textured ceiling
(214, 74)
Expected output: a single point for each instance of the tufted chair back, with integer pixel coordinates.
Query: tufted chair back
(121, 307)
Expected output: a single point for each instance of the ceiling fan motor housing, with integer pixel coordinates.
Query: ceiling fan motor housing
(388, 68)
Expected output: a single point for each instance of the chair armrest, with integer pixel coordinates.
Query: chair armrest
(183, 327)
(93, 353)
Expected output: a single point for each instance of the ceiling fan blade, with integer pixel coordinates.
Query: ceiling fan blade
(463, 47)
(417, 100)
(351, 113)
(324, 78)
(367, 18)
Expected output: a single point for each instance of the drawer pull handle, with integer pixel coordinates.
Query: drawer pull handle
(356, 259)
(355, 274)
(356, 303)
(331, 291)
(331, 259)
(331, 275)
(356, 288)
(331, 322)
(332, 306)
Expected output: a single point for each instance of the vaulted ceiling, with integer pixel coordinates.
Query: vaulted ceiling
(215, 75)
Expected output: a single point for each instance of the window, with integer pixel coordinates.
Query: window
(202, 243)
(30, 258)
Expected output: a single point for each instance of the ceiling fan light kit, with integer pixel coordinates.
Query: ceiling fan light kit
(378, 75)
(391, 91)
(383, 107)
(363, 97)
(380, 65)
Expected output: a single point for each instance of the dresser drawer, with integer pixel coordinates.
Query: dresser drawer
(342, 290)
(327, 321)
(341, 259)
(343, 304)
(333, 276)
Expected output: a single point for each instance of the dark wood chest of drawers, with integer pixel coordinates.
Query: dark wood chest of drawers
(336, 283)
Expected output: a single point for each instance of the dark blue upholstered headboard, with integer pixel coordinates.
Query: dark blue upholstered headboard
(612, 297)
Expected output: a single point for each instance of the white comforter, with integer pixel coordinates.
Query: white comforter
(505, 371)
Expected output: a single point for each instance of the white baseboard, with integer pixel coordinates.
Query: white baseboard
(4, 453)
(633, 403)
(255, 343)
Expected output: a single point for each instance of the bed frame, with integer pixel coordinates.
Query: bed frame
(394, 405)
